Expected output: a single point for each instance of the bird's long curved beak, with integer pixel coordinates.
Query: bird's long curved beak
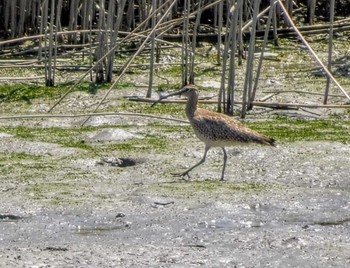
(167, 96)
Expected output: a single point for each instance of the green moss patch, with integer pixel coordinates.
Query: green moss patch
(287, 130)
(54, 193)
(15, 157)
(75, 138)
(68, 137)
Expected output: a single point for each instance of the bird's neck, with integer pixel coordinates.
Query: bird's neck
(191, 105)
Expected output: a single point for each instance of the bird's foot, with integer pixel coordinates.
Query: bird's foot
(182, 174)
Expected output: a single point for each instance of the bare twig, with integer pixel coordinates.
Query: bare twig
(34, 116)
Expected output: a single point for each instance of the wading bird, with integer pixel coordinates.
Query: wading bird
(215, 129)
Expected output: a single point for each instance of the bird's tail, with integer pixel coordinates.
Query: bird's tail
(261, 138)
(272, 142)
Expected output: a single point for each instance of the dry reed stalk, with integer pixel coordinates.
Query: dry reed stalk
(256, 82)
(45, 23)
(114, 19)
(240, 46)
(247, 90)
(289, 6)
(219, 23)
(50, 79)
(274, 25)
(130, 18)
(73, 20)
(233, 48)
(194, 43)
(35, 15)
(59, 38)
(311, 7)
(13, 18)
(101, 49)
(153, 41)
(42, 35)
(330, 48)
(6, 12)
(230, 31)
(90, 5)
(22, 14)
(84, 21)
(185, 42)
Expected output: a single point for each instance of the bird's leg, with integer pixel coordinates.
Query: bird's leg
(185, 173)
(224, 167)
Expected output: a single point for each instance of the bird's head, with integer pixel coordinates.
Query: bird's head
(186, 91)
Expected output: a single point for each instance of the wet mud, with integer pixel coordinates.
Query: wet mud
(287, 206)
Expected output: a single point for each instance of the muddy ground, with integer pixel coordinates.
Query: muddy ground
(287, 206)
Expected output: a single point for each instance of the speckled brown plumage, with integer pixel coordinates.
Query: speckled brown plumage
(215, 129)
(220, 130)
